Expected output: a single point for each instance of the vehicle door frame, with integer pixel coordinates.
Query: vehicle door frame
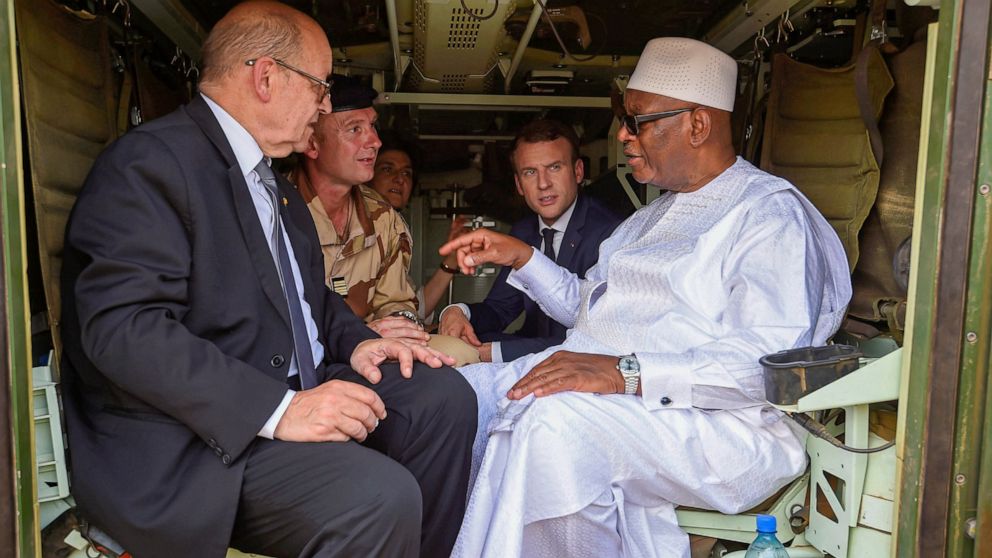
(18, 477)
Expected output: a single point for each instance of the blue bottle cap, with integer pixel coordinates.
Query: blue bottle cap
(766, 523)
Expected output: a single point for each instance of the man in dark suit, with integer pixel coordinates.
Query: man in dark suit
(568, 227)
(194, 298)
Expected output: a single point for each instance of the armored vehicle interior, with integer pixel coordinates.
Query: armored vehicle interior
(834, 95)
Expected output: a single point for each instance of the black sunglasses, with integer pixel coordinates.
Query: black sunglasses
(325, 84)
(632, 122)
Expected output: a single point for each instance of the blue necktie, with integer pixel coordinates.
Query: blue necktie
(304, 356)
(544, 322)
(549, 243)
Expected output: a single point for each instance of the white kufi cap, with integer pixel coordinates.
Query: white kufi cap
(688, 70)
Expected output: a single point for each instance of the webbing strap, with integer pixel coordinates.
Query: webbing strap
(876, 15)
(124, 105)
(862, 93)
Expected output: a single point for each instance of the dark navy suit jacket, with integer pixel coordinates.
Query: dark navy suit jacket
(591, 223)
(177, 334)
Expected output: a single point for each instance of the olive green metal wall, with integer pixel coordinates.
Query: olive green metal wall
(15, 341)
(969, 522)
(945, 478)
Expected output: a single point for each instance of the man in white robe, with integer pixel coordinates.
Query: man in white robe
(729, 264)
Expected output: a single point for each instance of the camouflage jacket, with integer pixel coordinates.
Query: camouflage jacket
(369, 267)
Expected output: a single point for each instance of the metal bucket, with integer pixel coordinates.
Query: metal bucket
(792, 374)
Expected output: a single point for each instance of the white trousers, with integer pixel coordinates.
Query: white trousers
(577, 474)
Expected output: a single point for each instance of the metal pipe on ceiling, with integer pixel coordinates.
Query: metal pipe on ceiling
(465, 137)
(394, 41)
(535, 17)
(470, 108)
(176, 22)
(490, 102)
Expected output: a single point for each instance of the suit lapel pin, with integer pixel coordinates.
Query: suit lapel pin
(285, 201)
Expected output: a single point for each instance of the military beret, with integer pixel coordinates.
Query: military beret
(350, 93)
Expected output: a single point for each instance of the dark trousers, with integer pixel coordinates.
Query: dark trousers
(400, 493)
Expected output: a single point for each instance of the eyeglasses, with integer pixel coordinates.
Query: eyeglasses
(632, 122)
(325, 84)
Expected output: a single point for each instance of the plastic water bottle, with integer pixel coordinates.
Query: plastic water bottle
(766, 545)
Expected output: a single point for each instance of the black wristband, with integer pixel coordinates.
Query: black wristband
(451, 270)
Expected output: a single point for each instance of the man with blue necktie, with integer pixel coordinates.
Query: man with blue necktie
(567, 227)
(216, 392)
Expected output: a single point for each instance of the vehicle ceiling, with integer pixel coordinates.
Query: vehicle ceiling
(618, 29)
(617, 26)
(450, 97)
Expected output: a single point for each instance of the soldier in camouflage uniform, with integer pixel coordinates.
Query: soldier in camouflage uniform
(365, 242)
(394, 181)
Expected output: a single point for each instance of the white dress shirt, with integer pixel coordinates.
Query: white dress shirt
(560, 225)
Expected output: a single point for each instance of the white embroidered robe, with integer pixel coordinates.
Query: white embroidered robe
(699, 286)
